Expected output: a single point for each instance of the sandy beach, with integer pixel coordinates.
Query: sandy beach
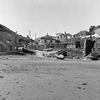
(36, 78)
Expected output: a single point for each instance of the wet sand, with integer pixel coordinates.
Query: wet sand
(37, 78)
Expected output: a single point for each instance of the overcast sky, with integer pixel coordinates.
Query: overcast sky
(49, 16)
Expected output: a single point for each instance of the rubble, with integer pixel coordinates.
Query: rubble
(94, 56)
(67, 53)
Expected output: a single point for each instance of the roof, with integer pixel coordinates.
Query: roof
(59, 33)
(83, 33)
(68, 34)
(97, 27)
(48, 37)
(64, 34)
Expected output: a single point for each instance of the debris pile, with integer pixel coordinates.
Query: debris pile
(74, 53)
(67, 53)
(95, 56)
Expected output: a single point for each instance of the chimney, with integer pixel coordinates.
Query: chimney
(65, 32)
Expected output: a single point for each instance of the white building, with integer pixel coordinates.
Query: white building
(46, 40)
(96, 32)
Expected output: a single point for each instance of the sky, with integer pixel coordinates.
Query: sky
(49, 16)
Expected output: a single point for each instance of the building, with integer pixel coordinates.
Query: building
(46, 40)
(62, 37)
(96, 32)
(11, 39)
(82, 34)
(7, 37)
(71, 45)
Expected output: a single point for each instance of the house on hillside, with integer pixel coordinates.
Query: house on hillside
(96, 32)
(46, 41)
(62, 37)
(23, 40)
(74, 43)
(82, 34)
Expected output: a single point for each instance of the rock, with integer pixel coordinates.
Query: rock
(1, 77)
(79, 87)
(84, 84)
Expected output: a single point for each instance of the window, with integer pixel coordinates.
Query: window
(9, 35)
(68, 37)
(8, 41)
(38, 40)
(45, 40)
(50, 41)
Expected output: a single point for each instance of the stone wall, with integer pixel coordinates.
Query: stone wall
(97, 45)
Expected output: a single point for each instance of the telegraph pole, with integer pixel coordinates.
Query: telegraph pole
(29, 33)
